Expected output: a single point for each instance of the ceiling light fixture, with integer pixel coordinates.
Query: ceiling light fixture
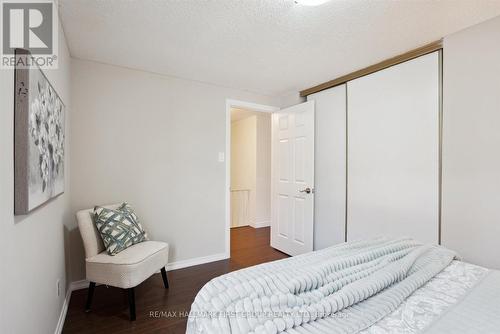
(311, 2)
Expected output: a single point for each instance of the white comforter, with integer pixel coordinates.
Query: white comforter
(342, 289)
(429, 302)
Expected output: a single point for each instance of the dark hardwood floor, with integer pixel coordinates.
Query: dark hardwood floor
(160, 310)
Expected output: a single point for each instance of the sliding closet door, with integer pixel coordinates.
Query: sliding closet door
(393, 152)
(329, 166)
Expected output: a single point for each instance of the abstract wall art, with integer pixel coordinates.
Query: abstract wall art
(39, 134)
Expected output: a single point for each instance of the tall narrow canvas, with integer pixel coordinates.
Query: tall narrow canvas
(39, 133)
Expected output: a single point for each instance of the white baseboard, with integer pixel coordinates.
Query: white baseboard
(64, 310)
(78, 285)
(263, 223)
(241, 225)
(196, 261)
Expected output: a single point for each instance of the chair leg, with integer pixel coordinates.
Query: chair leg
(164, 276)
(89, 296)
(131, 302)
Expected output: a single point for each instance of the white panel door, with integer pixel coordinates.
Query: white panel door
(293, 179)
(393, 152)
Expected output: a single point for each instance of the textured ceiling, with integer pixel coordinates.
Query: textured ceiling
(265, 46)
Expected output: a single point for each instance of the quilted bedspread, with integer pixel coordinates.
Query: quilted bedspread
(341, 289)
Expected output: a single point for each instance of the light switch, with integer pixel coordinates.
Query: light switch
(221, 156)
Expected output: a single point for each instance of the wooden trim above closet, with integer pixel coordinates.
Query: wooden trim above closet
(428, 48)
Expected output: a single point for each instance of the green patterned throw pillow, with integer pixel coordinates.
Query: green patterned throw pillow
(119, 228)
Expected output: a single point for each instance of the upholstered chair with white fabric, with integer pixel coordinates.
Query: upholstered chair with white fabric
(125, 270)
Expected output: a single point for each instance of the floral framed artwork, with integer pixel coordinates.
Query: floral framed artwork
(39, 135)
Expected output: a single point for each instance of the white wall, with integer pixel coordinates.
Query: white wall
(152, 140)
(471, 144)
(33, 248)
(244, 169)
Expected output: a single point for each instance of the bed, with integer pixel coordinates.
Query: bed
(372, 287)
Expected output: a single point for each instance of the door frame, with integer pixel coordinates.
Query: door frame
(230, 103)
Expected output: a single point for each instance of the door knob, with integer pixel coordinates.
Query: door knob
(307, 190)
